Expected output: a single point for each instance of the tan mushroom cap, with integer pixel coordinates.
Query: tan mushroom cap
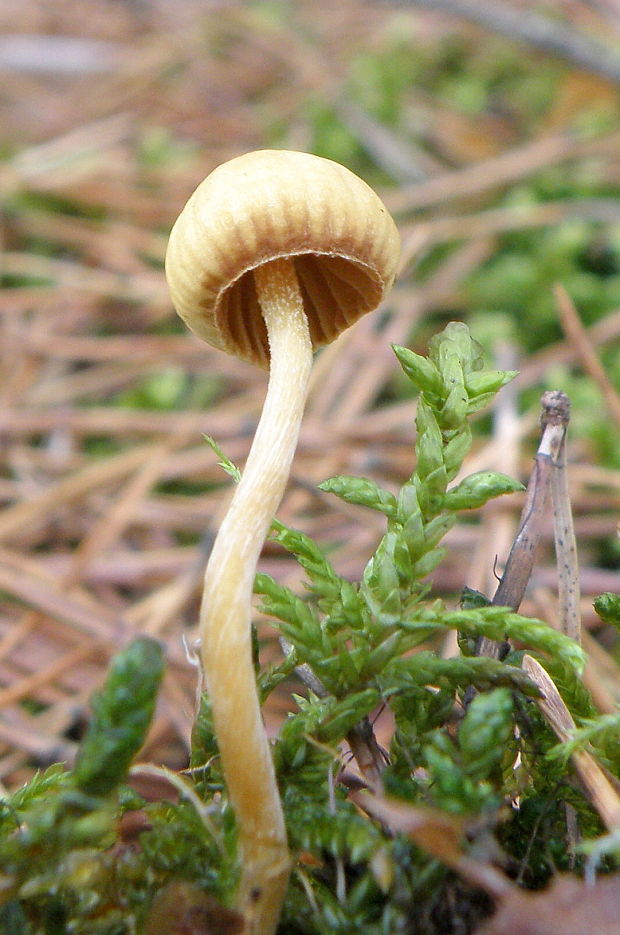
(270, 204)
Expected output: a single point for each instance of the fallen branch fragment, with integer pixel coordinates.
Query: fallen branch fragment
(542, 32)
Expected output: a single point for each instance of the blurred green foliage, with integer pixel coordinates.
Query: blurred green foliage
(401, 82)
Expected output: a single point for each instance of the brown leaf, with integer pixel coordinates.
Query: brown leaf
(568, 907)
(184, 909)
(438, 833)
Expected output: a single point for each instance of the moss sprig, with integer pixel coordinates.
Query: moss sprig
(451, 385)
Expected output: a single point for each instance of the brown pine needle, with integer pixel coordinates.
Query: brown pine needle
(600, 790)
(584, 351)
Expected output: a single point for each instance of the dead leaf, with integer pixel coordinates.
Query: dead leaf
(184, 909)
(568, 907)
(438, 833)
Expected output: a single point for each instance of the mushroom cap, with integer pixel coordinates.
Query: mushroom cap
(270, 204)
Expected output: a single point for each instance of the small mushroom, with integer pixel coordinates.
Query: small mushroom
(274, 254)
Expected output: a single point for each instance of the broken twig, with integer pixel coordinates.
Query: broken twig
(554, 419)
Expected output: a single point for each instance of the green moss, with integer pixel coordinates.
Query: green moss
(468, 739)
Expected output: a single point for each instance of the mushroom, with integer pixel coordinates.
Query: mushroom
(274, 254)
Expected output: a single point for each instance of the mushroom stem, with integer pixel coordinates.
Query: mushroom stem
(225, 617)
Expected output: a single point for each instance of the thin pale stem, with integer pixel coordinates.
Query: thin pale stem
(569, 591)
(225, 619)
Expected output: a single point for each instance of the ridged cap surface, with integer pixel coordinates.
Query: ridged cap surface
(269, 204)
